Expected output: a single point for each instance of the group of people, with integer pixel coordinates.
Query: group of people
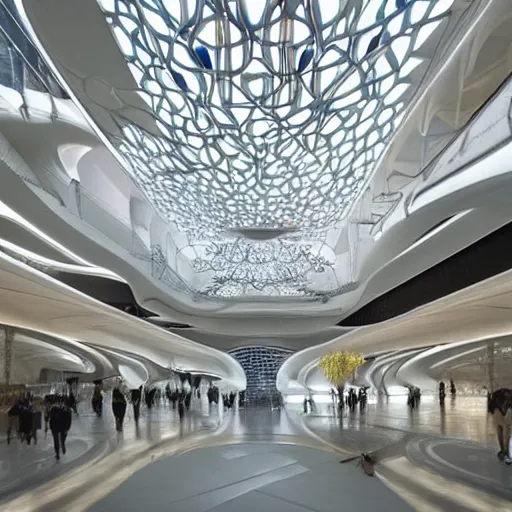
(181, 399)
(350, 399)
(178, 399)
(25, 415)
(414, 397)
(213, 395)
(308, 405)
(229, 400)
(442, 391)
(119, 403)
(354, 398)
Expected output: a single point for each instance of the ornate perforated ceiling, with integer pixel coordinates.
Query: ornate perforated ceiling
(269, 114)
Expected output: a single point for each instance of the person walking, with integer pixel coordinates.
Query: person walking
(136, 395)
(26, 420)
(97, 399)
(60, 423)
(118, 408)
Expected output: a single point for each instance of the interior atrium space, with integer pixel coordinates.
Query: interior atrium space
(255, 255)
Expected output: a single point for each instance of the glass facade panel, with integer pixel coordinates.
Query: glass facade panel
(261, 365)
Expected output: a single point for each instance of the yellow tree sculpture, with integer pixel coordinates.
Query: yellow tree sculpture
(338, 367)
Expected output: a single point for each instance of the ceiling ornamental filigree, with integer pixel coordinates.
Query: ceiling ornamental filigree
(267, 113)
(242, 268)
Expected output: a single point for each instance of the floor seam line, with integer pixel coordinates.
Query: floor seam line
(235, 483)
(287, 501)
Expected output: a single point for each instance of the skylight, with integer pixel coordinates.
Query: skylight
(267, 110)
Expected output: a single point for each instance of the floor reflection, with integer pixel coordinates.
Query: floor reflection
(160, 433)
(262, 422)
(23, 467)
(464, 418)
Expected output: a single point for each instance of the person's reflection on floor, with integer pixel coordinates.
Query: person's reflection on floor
(149, 397)
(442, 393)
(442, 427)
(181, 407)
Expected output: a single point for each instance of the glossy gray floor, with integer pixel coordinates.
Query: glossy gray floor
(438, 458)
(252, 477)
(23, 468)
(433, 459)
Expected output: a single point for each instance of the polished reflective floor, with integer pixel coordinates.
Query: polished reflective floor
(92, 439)
(432, 459)
(390, 420)
(440, 458)
(252, 477)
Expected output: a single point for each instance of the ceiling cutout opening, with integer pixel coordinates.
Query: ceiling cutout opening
(267, 111)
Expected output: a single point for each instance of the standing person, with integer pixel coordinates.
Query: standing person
(181, 406)
(500, 407)
(26, 420)
(97, 399)
(60, 423)
(136, 395)
(174, 398)
(188, 399)
(453, 389)
(73, 404)
(118, 408)
(149, 396)
(411, 400)
(49, 400)
(442, 392)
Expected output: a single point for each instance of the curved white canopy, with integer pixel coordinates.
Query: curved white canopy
(478, 313)
(35, 301)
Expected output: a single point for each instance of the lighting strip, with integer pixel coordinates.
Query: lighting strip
(57, 265)
(490, 166)
(9, 213)
(457, 356)
(433, 233)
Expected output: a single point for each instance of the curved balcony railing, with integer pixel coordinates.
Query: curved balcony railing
(22, 67)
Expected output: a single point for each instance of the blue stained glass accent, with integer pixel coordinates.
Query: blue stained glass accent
(393, 62)
(204, 56)
(374, 43)
(381, 12)
(305, 59)
(180, 80)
